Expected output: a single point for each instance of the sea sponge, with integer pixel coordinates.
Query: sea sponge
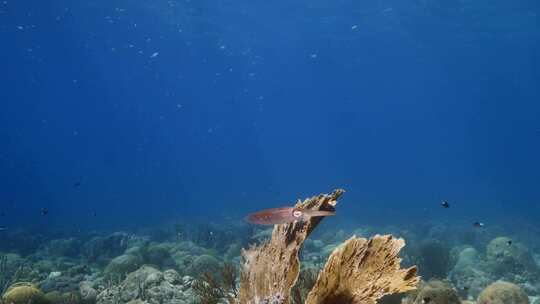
(433, 292)
(502, 292)
(358, 271)
(24, 293)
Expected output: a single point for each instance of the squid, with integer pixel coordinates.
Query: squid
(283, 215)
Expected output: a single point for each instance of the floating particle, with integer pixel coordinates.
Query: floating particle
(154, 55)
(313, 56)
(20, 27)
(354, 27)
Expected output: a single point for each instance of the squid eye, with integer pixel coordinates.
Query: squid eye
(297, 213)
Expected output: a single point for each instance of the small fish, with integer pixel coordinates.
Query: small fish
(44, 211)
(284, 215)
(3, 228)
(445, 204)
(426, 300)
(509, 242)
(94, 213)
(478, 224)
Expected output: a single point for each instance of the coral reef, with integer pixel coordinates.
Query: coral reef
(151, 286)
(292, 263)
(502, 292)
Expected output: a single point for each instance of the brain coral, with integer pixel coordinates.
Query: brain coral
(24, 293)
(503, 293)
(506, 257)
(433, 292)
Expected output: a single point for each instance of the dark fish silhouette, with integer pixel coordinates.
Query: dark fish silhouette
(76, 184)
(3, 228)
(478, 225)
(284, 215)
(445, 204)
(44, 211)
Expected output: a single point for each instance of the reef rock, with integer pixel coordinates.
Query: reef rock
(502, 292)
(149, 285)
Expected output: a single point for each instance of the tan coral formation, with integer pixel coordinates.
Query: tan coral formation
(363, 271)
(358, 271)
(270, 270)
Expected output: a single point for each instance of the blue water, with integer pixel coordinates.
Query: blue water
(148, 112)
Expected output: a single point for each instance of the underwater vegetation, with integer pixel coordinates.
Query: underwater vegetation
(293, 262)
